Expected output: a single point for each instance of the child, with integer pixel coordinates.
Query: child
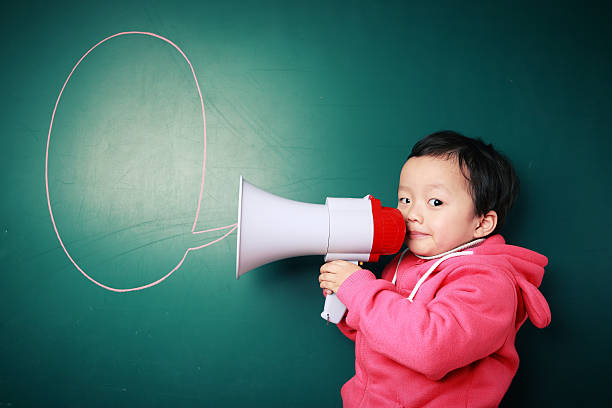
(438, 329)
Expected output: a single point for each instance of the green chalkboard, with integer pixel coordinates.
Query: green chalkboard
(306, 100)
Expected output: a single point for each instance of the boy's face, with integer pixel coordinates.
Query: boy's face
(434, 198)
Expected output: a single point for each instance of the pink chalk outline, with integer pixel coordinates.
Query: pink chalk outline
(232, 227)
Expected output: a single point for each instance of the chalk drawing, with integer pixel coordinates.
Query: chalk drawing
(231, 227)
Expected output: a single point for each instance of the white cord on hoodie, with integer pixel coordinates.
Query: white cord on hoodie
(433, 267)
(443, 257)
(398, 264)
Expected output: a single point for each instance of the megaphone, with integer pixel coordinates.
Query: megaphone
(353, 229)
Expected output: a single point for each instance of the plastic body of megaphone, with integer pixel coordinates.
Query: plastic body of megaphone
(272, 228)
(367, 229)
(351, 235)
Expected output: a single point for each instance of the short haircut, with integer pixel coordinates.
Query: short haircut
(493, 182)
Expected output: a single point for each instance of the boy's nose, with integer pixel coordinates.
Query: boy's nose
(413, 214)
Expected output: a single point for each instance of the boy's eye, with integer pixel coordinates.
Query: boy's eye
(435, 202)
(404, 200)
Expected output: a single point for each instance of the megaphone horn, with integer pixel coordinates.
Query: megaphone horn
(272, 228)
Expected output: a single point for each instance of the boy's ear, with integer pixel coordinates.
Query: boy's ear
(487, 225)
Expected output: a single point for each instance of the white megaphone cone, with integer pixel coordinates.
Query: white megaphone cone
(353, 229)
(272, 228)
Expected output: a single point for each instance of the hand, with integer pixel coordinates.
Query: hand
(334, 273)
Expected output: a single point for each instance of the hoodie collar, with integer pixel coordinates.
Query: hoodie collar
(441, 257)
(459, 248)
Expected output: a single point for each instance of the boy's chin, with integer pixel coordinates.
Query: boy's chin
(420, 248)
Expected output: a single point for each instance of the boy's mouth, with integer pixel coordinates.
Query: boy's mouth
(417, 235)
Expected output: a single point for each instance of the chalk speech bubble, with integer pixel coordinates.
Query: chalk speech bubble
(231, 227)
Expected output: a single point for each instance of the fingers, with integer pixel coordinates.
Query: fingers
(327, 290)
(326, 282)
(327, 267)
(333, 266)
(328, 278)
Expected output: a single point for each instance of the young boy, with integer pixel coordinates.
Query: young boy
(438, 329)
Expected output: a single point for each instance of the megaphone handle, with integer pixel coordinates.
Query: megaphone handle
(334, 309)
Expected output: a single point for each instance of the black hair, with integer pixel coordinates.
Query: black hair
(493, 182)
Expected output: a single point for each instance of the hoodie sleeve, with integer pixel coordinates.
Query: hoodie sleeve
(469, 318)
(387, 274)
(347, 330)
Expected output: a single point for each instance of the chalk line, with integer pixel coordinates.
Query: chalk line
(231, 227)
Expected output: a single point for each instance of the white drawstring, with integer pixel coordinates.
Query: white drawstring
(398, 264)
(444, 256)
(433, 268)
(427, 258)
(459, 248)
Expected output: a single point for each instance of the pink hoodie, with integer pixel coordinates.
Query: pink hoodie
(452, 343)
